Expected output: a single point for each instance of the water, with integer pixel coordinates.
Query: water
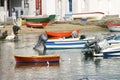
(73, 64)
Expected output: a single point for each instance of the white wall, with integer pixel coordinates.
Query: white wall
(3, 14)
(32, 7)
(114, 7)
(48, 7)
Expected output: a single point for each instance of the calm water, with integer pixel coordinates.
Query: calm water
(73, 65)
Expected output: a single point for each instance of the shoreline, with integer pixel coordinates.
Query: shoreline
(57, 27)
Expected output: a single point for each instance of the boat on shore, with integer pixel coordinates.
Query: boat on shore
(88, 16)
(113, 27)
(46, 59)
(37, 24)
(40, 19)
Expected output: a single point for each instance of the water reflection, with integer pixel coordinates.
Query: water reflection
(73, 64)
(6, 61)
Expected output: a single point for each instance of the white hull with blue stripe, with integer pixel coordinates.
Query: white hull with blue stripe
(66, 44)
(111, 51)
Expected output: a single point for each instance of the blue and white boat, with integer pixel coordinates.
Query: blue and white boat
(104, 49)
(114, 40)
(112, 51)
(65, 44)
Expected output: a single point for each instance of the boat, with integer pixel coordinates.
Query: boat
(65, 44)
(114, 39)
(60, 34)
(41, 19)
(37, 24)
(88, 16)
(37, 59)
(113, 27)
(103, 49)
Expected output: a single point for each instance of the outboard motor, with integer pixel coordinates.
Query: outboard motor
(97, 48)
(82, 37)
(74, 34)
(88, 51)
(89, 44)
(41, 41)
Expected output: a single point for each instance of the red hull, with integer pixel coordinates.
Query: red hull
(60, 34)
(37, 59)
(37, 24)
(110, 25)
(88, 13)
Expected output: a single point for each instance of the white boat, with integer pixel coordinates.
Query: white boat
(67, 43)
(113, 27)
(88, 15)
(69, 39)
(114, 40)
(103, 49)
(112, 51)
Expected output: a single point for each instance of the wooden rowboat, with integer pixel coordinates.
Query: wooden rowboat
(60, 34)
(42, 19)
(37, 24)
(37, 59)
(113, 27)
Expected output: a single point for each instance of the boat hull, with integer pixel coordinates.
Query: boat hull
(113, 27)
(50, 17)
(65, 44)
(37, 59)
(60, 34)
(111, 51)
(111, 54)
(89, 15)
(37, 24)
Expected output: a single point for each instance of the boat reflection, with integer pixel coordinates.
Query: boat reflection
(26, 65)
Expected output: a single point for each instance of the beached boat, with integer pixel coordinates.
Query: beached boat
(41, 19)
(37, 24)
(113, 27)
(60, 34)
(88, 16)
(37, 59)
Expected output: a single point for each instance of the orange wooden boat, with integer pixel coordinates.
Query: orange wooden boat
(60, 34)
(37, 24)
(46, 59)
